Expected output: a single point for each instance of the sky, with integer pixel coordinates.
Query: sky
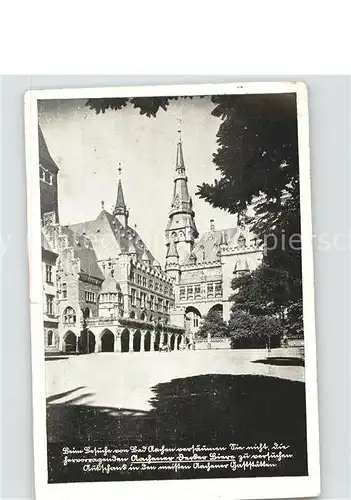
(88, 148)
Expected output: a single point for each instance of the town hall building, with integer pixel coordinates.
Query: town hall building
(103, 290)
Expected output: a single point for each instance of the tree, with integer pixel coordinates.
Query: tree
(214, 325)
(249, 331)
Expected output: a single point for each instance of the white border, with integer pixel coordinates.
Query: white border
(240, 488)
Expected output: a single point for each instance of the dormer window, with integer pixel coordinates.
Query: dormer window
(45, 175)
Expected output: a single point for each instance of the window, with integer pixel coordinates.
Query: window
(69, 315)
(189, 292)
(45, 175)
(210, 290)
(142, 299)
(161, 288)
(50, 338)
(156, 286)
(218, 289)
(197, 291)
(50, 305)
(120, 298)
(159, 305)
(64, 290)
(144, 281)
(138, 279)
(152, 302)
(151, 284)
(167, 306)
(48, 273)
(132, 277)
(182, 293)
(133, 297)
(91, 296)
(196, 321)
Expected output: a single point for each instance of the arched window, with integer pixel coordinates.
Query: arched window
(132, 314)
(69, 315)
(142, 316)
(50, 338)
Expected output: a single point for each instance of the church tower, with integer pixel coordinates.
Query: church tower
(181, 229)
(120, 210)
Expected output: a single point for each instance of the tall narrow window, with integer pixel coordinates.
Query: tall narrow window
(64, 290)
(133, 297)
(182, 293)
(218, 289)
(210, 290)
(50, 305)
(189, 292)
(48, 273)
(50, 338)
(197, 291)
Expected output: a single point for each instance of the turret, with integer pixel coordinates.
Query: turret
(172, 260)
(181, 227)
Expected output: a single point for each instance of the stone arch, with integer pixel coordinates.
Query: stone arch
(87, 342)
(157, 341)
(86, 313)
(69, 316)
(137, 341)
(192, 318)
(143, 316)
(107, 341)
(147, 341)
(70, 342)
(125, 340)
(132, 314)
(216, 308)
(179, 340)
(172, 342)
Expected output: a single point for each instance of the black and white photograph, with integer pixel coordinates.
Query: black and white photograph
(172, 294)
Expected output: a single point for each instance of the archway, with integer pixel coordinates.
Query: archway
(136, 341)
(217, 309)
(87, 342)
(157, 341)
(125, 339)
(179, 339)
(172, 342)
(147, 341)
(86, 313)
(192, 319)
(107, 341)
(70, 342)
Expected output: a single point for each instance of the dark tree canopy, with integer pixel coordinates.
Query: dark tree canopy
(214, 325)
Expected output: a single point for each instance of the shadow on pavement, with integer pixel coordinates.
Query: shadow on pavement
(283, 361)
(194, 409)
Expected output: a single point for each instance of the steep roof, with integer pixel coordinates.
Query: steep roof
(109, 238)
(45, 158)
(84, 251)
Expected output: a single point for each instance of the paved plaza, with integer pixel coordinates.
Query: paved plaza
(126, 380)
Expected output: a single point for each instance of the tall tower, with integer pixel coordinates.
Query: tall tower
(120, 210)
(181, 228)
(172, 261)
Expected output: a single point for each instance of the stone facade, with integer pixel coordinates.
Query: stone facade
(202, 274)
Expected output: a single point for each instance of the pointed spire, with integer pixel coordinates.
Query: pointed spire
(180, 166)
(172, 249)
(120, 203)
(120, 210)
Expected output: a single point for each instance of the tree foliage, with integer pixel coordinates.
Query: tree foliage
(214, 325)
(249, 331)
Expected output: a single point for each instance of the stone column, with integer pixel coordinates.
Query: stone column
(152, 341)
(131, 340)
(169, 335)
(117, 344)
(97, 343)
(77, 343)
(142, 341)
